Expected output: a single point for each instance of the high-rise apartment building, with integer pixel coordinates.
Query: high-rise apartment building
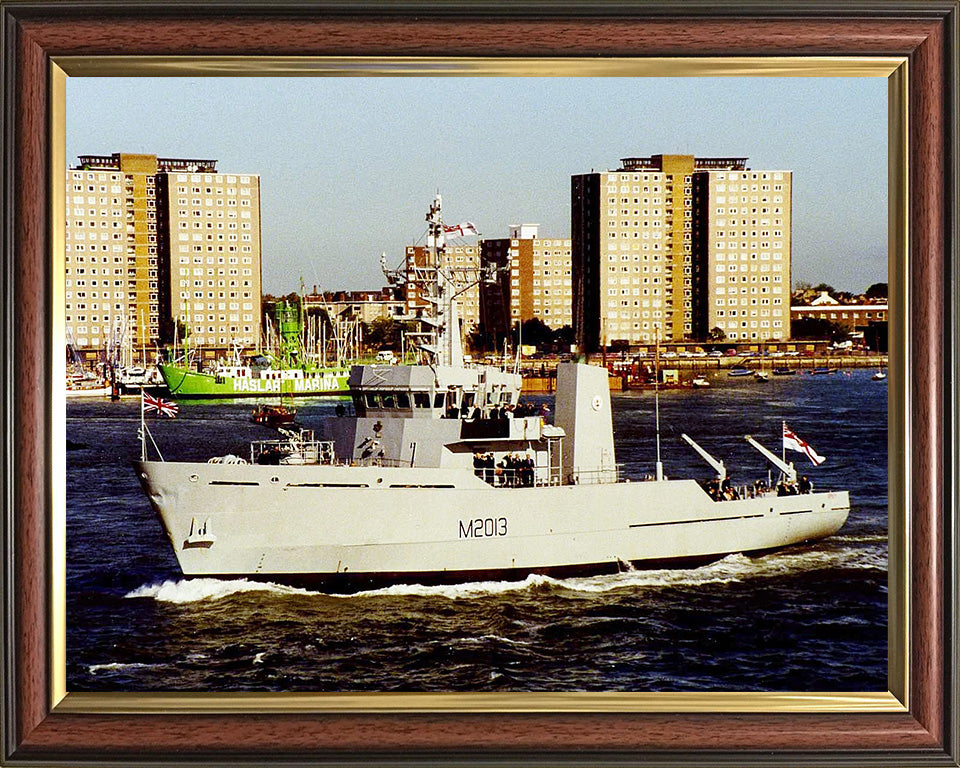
(151, 241)
(534, 280)
(742, 243)
(669, 245)
(212, 226)
(113, 282)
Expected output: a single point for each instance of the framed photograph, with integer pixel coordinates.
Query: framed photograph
(914, 720)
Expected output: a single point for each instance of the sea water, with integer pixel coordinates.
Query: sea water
(811, 617)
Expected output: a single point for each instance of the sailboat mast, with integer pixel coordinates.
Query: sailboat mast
(656, 401)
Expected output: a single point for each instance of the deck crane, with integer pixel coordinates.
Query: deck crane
(715, 463)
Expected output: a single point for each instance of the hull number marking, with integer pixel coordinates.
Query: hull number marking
(483, 527)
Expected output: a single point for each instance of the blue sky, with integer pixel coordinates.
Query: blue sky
(348, 165)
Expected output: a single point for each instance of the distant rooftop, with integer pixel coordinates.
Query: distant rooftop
(112, 162)
(655, 163)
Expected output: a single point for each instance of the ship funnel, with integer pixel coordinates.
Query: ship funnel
(583, 412)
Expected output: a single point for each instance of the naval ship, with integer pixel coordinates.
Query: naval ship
(436, 477)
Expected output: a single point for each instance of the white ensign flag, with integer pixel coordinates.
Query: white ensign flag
(793, 443)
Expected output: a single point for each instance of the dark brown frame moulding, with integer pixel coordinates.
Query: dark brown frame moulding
(39, 731)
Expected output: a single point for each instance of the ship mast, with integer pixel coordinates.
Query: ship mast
(447, 344)
(438, 283)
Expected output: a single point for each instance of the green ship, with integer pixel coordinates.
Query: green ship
(287, 374)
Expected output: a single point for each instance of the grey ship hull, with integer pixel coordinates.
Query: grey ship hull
(358, 527)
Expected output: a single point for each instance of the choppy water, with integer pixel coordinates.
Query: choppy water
(808, 618)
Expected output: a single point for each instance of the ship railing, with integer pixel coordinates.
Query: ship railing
(738, 492)
(595, 476)
(379, 461)
(734, 493)
(301, 449)
(519, 477)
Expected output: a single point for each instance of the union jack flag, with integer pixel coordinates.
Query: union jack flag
(159, 406)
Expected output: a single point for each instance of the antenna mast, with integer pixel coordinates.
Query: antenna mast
(656, 400)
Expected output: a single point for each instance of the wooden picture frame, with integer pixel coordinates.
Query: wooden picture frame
(916, 724)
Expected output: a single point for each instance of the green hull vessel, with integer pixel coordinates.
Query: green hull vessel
(289, 373)
(240, 381)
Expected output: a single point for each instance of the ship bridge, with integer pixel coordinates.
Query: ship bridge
(395, 391)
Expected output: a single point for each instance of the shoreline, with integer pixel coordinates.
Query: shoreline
(621, 372)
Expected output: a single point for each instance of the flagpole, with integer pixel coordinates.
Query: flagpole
(783, 444)
(656, 401)
(143, 430)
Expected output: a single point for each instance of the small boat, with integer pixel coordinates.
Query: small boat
(784, 372)
(274, 415)
(879, 376)
(761, 376)
(88, 389)
(700, 382)
(824, 371)
(739, 372)
(132, 380)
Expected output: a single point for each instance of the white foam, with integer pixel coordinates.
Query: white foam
(481, 640)
(117, 667)
(732, 568)
(457, 591)
(194, 590)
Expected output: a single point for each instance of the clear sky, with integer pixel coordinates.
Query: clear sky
(349, 165)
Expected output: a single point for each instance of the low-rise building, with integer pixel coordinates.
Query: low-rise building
(365, 306)
(849, 316)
